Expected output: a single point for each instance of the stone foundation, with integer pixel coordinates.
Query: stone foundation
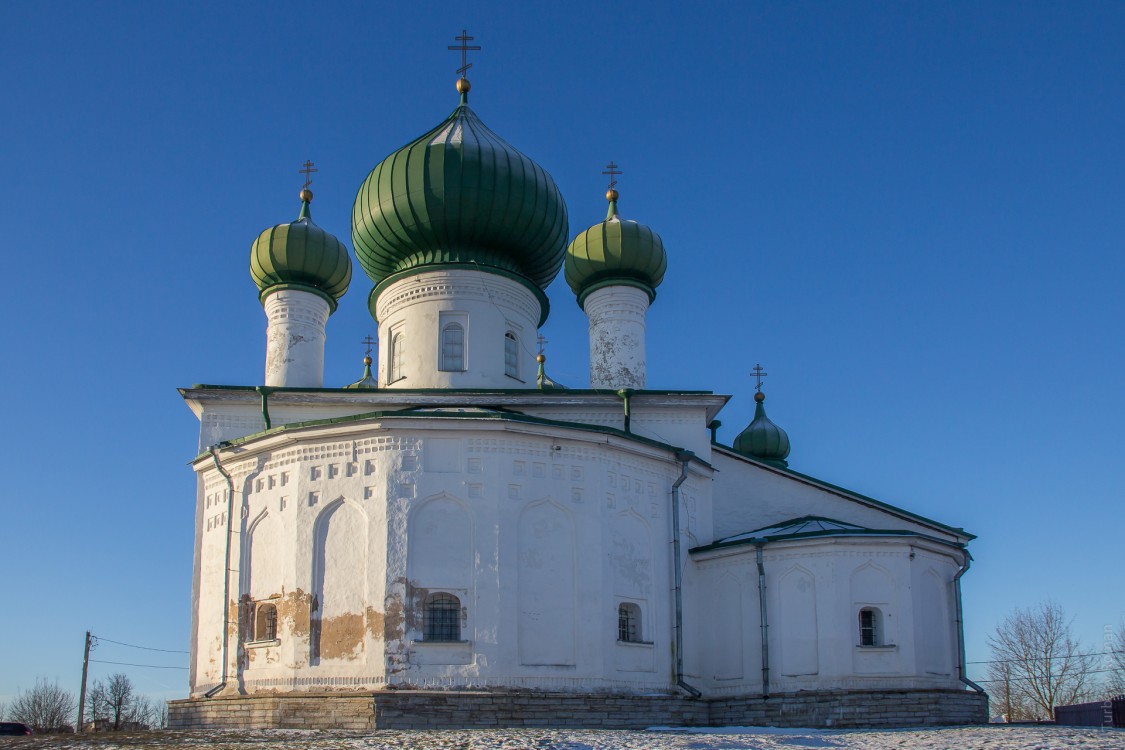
(432, 709)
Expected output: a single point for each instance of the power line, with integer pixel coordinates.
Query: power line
(128, 664)
(1061, 657)
(1026, 679)
(146, 648)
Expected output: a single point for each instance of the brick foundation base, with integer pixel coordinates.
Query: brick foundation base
(425, 709)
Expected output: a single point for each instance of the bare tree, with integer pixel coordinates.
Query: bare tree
(1006, 694)
(1115, 661)
(3, 710)
(97, 704)
(120, 697)
(1047, 664)
(46, 707)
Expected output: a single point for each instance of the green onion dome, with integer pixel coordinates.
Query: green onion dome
(763, 439)
(613, 253)
(301, 255)
(460, 196)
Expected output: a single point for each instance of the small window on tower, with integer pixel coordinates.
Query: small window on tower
(452, 347)
(870, 627)
(398, 341)
(441, 620)
(511, 355)
(629, 623)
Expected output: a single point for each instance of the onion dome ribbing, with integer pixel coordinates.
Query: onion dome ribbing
(762, 439)
(301, 255)
(460, 195)
(615, 252)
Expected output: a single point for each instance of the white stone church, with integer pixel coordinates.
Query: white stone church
(458, 540)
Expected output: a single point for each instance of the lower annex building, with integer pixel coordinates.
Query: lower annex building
(456, 539)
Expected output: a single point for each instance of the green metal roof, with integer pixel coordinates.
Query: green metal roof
(460, 194)
(461, 413)
(811, 527)
(762, 439)
(301, 255)
(613, 252)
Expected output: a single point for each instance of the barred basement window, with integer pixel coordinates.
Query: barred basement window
(453, 348)
(265, 623)
(629, 623)
(441, 619)
(511, 355)
(870, 625)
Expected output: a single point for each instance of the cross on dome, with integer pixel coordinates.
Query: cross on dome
(612, 170)
(369, 342)
(307, 170)
(759, 373)
(464, 48)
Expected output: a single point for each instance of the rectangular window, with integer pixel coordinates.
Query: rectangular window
(868, 628)
(395, 358)
(511, 355)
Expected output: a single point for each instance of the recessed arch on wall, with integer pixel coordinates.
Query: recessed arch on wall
(439, 551)
(797, 626)
(727, 629)
(631, 554)
(934, 626)
(339, 582)
(546, 584)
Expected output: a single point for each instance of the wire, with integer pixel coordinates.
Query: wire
(146, 648)
(1026, 679)
(1045, 658)
(129, 664)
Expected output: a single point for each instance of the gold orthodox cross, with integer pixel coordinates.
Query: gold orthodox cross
(307, 170)
(465, 48)
(612, 170)
(759, 373)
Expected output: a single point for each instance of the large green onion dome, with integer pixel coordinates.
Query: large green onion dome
(763, 439)
(613, 253)
(301, 255)
(459, 196)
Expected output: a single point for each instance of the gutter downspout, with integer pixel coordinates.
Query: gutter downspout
(961, 625)
(226, 571)
(684, 457)
(626, 394)
(265, 392)
(760, 543)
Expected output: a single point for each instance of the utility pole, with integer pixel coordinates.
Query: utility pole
(82, 693)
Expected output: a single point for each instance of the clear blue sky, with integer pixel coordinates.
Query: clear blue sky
(910, 212)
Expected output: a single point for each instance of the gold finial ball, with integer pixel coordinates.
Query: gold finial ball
(367, 361)
(306, 195)
(611, 195)
(463, 85)
(540, 358)
(759, 397)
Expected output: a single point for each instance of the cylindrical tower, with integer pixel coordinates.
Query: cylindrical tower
(614, 267)
(300, 271)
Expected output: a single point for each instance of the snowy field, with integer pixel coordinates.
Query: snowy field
(738, 738)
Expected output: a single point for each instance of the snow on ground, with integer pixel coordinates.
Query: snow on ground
(731, 738)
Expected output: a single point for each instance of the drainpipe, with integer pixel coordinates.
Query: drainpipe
(760, 543)
(684, 457)
(961, 624)
(226, 571)
(626, 394)
(265, 392)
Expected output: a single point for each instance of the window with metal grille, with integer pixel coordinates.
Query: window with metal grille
(265, 623)
(441, 620)
(452, 347)
(511, 355)
(869, 627)
(629, 623)
(398, 340)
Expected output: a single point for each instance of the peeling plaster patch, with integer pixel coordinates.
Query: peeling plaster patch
(341, 637)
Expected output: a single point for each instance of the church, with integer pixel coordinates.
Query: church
(458, 540)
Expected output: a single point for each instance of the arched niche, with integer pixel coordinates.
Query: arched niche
(546, 585)
(630, 555)
(797, 627)
(338, 624)
(439, 544)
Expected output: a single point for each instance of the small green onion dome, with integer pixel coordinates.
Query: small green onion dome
(301, 255)
(615, 252)
(460, 195)
(763, 439)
